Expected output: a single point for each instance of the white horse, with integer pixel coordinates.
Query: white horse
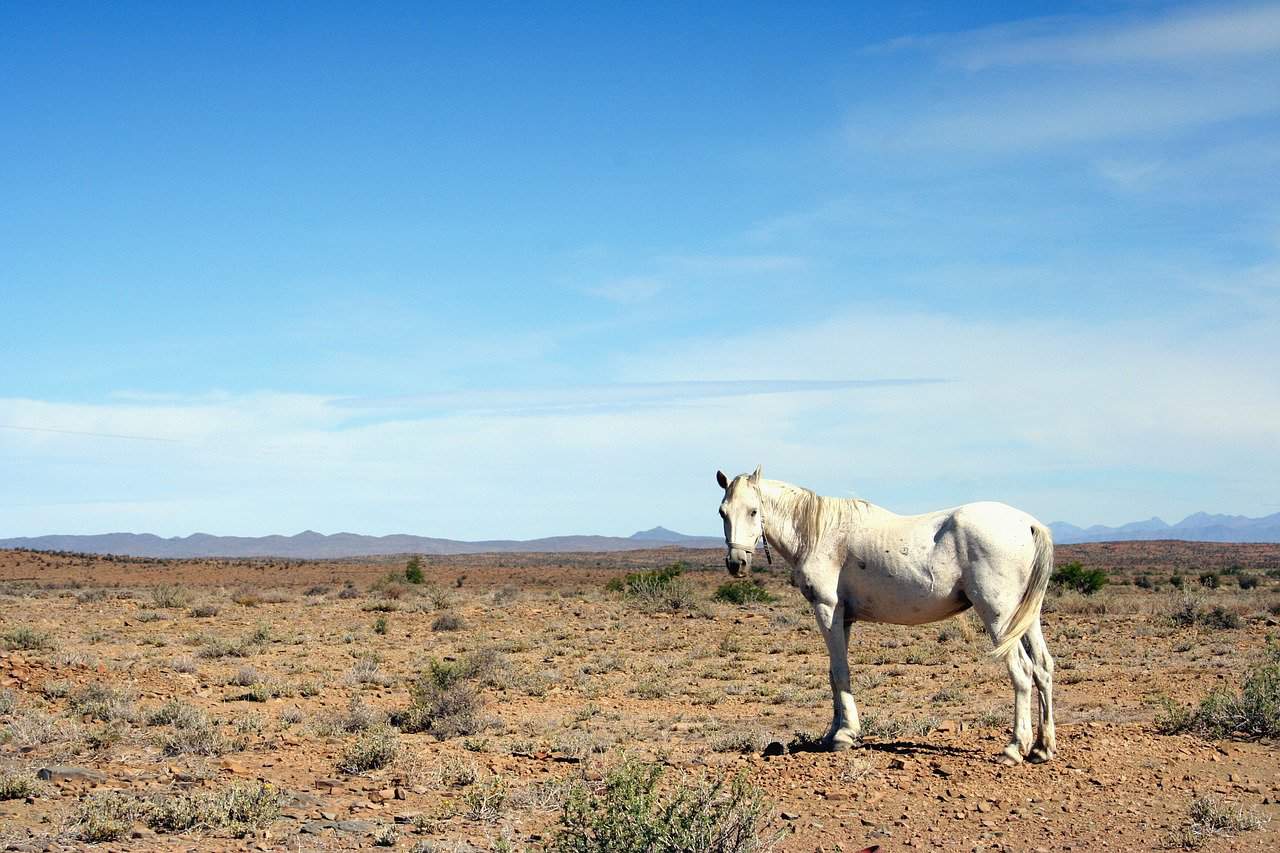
(854, 561)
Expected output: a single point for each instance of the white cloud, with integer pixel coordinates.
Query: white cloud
(1062, 81)
(1222, 31)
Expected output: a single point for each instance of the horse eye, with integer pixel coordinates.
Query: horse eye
(753, 513)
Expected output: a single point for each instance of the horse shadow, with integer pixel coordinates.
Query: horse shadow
(905, 748)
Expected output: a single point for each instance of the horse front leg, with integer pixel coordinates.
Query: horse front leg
(845, 728)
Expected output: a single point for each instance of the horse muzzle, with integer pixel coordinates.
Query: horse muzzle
(738, 562)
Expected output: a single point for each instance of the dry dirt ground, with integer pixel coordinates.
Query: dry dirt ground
(288, 667)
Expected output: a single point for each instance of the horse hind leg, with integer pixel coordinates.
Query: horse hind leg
(1021, 675)
(1042, 672)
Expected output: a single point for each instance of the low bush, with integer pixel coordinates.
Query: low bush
(237, 809)
(663, 590)
(1253, 712)
(1209, 818)
(635, 582)
(1210, 580)
(448, 621)
(1248, 581)
(444, 702)
(15, 785)
(24, 638)
(373, 749)
(630, 814)
(1076, 577)
(102, 702)
(413, 571)
(171, 596)
(743, 592)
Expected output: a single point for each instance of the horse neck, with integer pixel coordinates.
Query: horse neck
(779, 521)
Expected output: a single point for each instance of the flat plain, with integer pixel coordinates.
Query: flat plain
(330, 705)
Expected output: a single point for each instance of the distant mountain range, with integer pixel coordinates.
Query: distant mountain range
(1200, 527)
(310, 545)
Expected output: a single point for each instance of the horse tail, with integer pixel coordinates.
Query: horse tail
(1028, 609)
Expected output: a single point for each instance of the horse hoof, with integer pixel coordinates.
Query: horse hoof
(839, 745)
(1039, 755)
(1011, 757)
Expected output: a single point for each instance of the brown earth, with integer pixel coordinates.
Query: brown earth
(582, 677)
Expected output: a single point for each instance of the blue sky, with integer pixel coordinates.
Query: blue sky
(508, 271)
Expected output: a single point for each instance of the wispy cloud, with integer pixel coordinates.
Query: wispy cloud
(597, 398)
(1064, 81)
(1222, 31)
(733, 265)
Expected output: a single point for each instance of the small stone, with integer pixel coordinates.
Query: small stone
(67, 773)
(400, 793)
(790, 816)
(897, 764)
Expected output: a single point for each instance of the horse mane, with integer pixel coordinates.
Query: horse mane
(812, 514)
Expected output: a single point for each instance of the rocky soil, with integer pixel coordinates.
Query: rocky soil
(291, 664)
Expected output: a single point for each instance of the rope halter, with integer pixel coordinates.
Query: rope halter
(765, 539)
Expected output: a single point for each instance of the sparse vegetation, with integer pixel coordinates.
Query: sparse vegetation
(372, 749)
(1253, 712)
(630, 814)
(657, 591)
(743, 592)
(25, 638)
(102, 702)
(15, 785)
(237, 809)
(172, 597)
(1208, 818)
(1074, 576)
(444, 701)
(448, 621)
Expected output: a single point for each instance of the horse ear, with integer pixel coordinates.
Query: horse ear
(722, 480)
(755, 476)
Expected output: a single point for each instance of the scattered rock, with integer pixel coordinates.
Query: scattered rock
(67, 773)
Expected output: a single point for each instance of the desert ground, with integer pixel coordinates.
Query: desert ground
(260, 704)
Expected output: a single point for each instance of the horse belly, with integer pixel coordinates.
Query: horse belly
(911, 600)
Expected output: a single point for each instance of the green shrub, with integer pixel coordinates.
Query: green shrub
(637, 581)
(444, 701)
(629, 814)
(238, 809)
(380, 626)
(16, 786)
(1254, 712)
(743, 592)
(1175, 580)
(1077, 577)
(373, 749)
(1219, 618)
(413, 570)
(1248, 581)
(25, 638)
(1210, 580)
(1144, 582)
(660, 590)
